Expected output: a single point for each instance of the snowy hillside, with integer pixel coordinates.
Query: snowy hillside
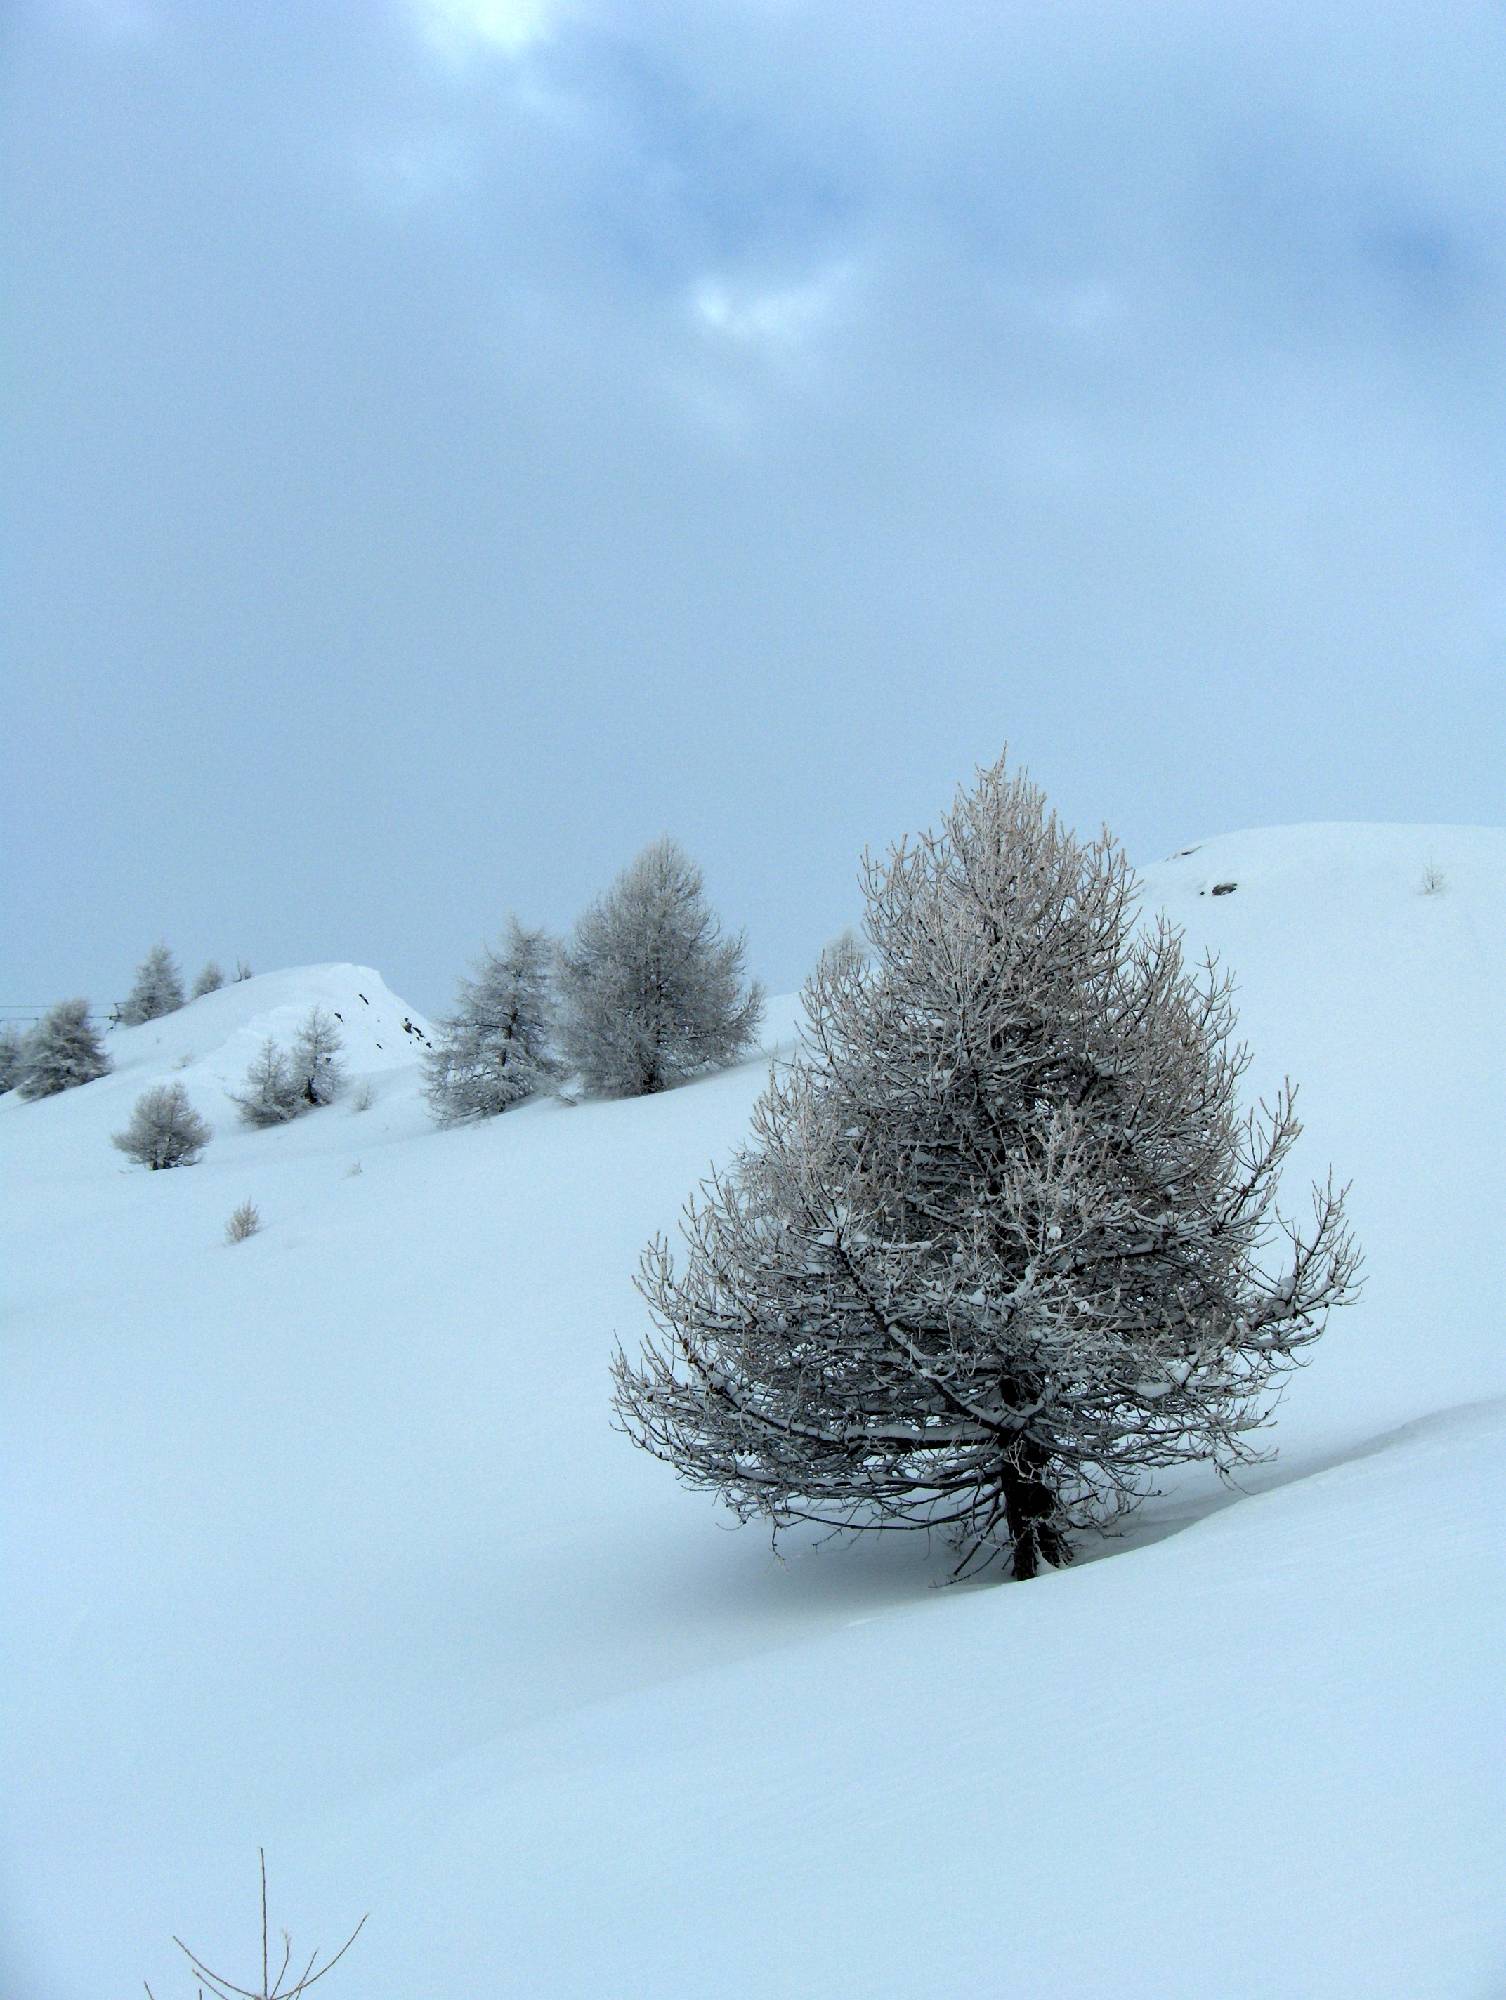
(325, 1542)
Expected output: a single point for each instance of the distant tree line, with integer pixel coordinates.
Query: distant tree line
(646, 994)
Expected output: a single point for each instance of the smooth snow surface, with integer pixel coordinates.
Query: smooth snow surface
(325, 1542)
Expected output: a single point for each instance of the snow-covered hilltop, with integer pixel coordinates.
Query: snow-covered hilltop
(324, 1541)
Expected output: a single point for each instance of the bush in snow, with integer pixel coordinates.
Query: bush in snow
(269, 1095)
(165, 1130)
(495, 1049)
(278, 1982)
(210, 980)
(158, 989)
(315, 1060)
(242, 971)
(12, 1050)
(244, 1221)
(998, 1249)
(1433, 880)
(62, 1051)
(653, 993)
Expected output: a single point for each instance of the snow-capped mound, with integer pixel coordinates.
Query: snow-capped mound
(325, 1542)
(208, 1044)
(211, 1040)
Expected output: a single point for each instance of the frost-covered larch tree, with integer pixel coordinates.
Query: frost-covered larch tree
(496, 1048)
(165, 1130)
(315, 1059)
(1004, 1245)
(62, 1051)
(158, 989)
(270, 1093)
(210, 980)
(652, 991)
(12, 1056)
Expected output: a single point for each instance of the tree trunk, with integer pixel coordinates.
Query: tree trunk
(1029, 1505)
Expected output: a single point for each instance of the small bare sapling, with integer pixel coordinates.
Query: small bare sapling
(244, 1221)
(284, 1984)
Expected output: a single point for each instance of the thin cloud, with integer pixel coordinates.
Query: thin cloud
(459, 29)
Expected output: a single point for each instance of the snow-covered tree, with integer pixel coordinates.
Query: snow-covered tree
(210, 980)
(12, 1056)
(270, 1093)
(652, 992)
(62, 1051)
(845, 949)
(315, 1060)
(496, 1048)
(165, 1130)
(1003, 1244)
(242, 971)
(158, 989)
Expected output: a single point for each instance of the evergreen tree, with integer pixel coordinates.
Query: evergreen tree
(652, 991)
(12, 1058)
(165, 1130)
(210, 980)
(1001, 1246)
(315, 1060)
(62, 1051)
(270, 1095)
(496, 1048)
(158, 989)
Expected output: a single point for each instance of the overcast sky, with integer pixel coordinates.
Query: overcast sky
(454, 441)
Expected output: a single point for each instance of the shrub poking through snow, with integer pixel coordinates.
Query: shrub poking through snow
(165, 1130)
(653, 992)
(210, 980)
(158, 989)
(269, 1095)
(244, 1221)
(496, 1048)
(62, 1051)
(999, 1249)
(279, 1981)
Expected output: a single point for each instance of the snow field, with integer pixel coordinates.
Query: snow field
(324, 1541)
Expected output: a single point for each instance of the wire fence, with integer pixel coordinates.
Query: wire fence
(26, 1014)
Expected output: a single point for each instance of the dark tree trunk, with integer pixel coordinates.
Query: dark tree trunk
(1029, 1507)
